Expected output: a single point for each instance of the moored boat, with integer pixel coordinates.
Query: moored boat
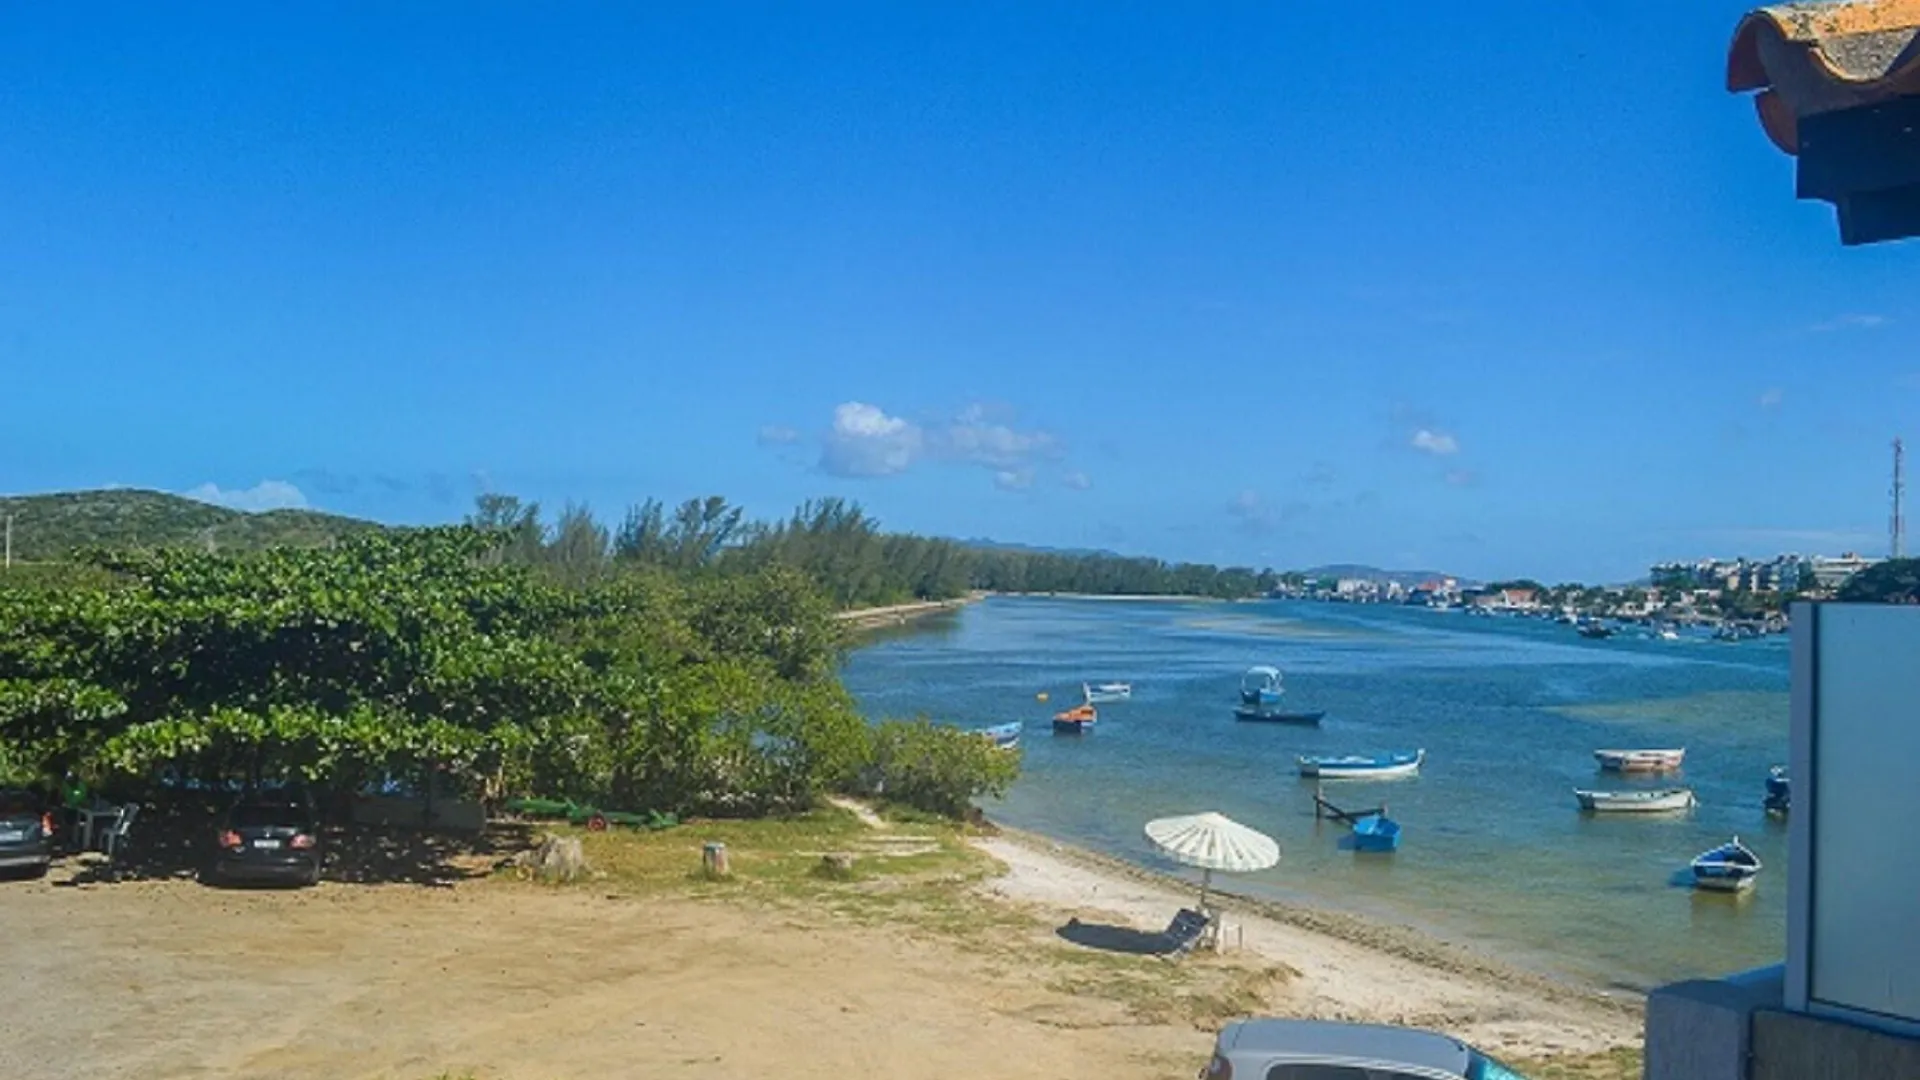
(1664, 800)
(1730, 867)
(1779, 791)
(1075, 720)
(1261, 687)
(1106, 691)
(1640, 760)
(1003, 736)
(1361, 766)
(1376, 832)
(1277, 716)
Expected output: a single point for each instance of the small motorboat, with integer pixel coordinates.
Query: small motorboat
(1276, 716)
(1668, 633)
(1376, 832)
(1362, 767)
(1779, 791)
(1727, 868)
(1640, 760)
(1075, 721)
(1665, 800)
(1260, 693)
(1595, 630)
(1106, 691)
(1003, 736)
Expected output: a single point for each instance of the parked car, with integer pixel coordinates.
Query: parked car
(26, 832)
(268, 837)
(1326, 1050)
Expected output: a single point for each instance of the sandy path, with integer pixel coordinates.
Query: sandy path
(1337, 979)
(171, 979)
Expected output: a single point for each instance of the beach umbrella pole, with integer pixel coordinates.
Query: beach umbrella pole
(1206, 879)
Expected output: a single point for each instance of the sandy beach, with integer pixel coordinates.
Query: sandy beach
(1344, 968)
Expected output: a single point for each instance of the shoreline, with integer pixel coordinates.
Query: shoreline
(900, 614)
(1348, 967)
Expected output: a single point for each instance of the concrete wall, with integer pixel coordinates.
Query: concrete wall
(1701, 1029)
(1794, 1046)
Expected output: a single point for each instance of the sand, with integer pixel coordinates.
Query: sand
(1388, 975)
(502, 981)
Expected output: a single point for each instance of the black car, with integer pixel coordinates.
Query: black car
(26, 832)
(269, 838)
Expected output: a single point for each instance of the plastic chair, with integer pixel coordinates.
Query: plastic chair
(116, 837)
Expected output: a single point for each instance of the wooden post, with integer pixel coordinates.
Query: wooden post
(713, 859)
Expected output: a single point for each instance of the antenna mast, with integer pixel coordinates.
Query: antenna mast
(1897, 528)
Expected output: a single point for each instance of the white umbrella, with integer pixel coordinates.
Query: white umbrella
(1212, 842)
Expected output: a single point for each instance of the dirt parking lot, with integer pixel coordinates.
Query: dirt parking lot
(168, 978)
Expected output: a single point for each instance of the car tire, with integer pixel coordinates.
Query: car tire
(312, 877)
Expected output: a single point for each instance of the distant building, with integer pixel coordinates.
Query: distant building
(1833, 573)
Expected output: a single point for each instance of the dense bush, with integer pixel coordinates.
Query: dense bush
(934, 768)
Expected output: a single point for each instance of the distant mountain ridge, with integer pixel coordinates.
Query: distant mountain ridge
(981, 543)
(1403, 578)
(47, 527)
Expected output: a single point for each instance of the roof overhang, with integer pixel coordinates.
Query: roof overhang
(1837, 85)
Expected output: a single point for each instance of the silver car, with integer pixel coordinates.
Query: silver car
(1325, 1050)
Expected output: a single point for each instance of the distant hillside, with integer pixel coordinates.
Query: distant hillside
(979, 543)
(51, 526)
(1374, 573)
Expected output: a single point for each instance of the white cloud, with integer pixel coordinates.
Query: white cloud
(776, 435)
(972, 437)
(265, 495)
(1076, 480)
(1852, 321)
(1438, 443)
(865, 441)
(1013, 479)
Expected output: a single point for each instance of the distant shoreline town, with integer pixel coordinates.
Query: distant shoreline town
(1747, 592)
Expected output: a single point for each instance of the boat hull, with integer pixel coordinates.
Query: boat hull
(1730, 867)
(1640, 761)
(1072, 727)
(1730, 883)
(1634, 802)
(1376, 834)
(1273, 716)
(1360, 769)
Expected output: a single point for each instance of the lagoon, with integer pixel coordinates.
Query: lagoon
(1495, 854)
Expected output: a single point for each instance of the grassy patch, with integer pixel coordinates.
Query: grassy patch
(1202, 991)
(1623, 1063)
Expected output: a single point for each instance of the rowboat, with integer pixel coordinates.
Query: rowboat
(1003, 736)
(1276, 716)
(1260, 687)
(1640, 760)
(1664, 800)
(1106, 691)
(1075, 720)
(1362, 767)
(1779, 791)
(1727, 868)
(1376, 832)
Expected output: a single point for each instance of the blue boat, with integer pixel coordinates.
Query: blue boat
(1376, 832)
(1277, 716)
(1779, 791)
(1260, 694)
(1727, 868)
(1362, 767)
(1003, 736)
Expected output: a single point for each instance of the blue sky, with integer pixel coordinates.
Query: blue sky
(1496, 288)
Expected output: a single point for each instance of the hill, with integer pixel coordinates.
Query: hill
(51, 526)
(1405, 578)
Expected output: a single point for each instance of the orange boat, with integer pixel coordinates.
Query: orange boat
(1074, 720)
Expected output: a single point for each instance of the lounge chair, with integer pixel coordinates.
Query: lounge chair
(1186, 930)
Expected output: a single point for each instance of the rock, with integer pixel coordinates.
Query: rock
(837, 865)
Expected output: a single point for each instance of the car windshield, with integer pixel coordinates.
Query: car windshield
(1482, 1067)
(262, 815)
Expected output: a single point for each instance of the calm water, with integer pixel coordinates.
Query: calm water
(1495, 853)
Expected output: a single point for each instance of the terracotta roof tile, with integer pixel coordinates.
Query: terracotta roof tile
(1809, 58)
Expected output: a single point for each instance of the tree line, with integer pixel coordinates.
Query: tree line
(412, 654)
(837, 545)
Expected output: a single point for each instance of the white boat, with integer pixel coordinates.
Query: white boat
(1656, 801)
(1107, 691)
(1640, 760)
(1730, 867)
(1362, 767)
(1005, 736)
(1668, 633)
